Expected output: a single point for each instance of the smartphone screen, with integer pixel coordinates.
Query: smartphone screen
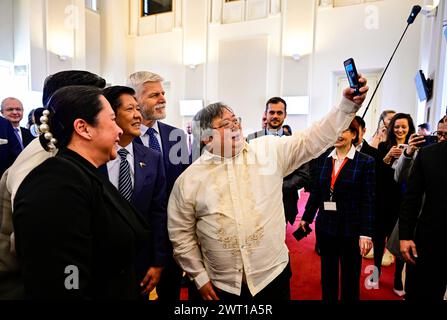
(351, 72)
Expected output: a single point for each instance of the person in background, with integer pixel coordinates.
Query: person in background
(34, 121)
(389, 194)
(382, 127)
(76, 237)
(264, 121)
(344, 196)
(424, 129)
(12, 110)
(9, 145)
(287, 130)
(406, 160)
(276, 113)
(422, 224)
(190, 137)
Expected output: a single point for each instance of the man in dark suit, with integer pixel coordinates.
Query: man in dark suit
(422, 233)
(138, 173)
(9, 145)
(276, 113)
(363, 146)
(171, 142)
(12, 110)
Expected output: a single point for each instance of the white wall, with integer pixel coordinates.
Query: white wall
(252, 84)
(114, 44)
(125, 47)
(350, 32)
(433, 61)
(93, 41)
(6, 31)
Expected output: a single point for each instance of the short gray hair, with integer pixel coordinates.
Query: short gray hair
(203, 121)
(3, 104)
(138, 79)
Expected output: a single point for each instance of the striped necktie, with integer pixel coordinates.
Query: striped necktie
(125, 181)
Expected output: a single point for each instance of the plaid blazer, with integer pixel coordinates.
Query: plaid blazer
(354, 193)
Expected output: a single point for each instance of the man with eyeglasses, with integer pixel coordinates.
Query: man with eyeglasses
(12, 110)
(225, 215)
(406, 160)
(422, 223)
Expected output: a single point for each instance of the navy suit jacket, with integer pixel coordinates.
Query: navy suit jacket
(149, 198)
(429, 174)
(174, 143)
(8, 151)
(27, 137)
(354, 193)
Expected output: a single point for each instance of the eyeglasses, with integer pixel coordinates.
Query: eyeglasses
(441, 134)
(229, 124)
(13, 109)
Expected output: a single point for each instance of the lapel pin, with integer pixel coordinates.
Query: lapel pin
(142, 164)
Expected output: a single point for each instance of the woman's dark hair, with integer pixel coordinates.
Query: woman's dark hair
(69, 78)
(34, 117)
(287, 127)
(68, 104)
(354, 128)
(391, 137)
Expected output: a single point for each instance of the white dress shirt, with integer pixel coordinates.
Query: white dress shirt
(225, 215)
(145, 137)
(339, 162)
(113, 166)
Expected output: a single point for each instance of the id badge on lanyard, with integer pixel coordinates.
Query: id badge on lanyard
(331, 205)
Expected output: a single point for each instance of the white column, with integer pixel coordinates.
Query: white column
(216, 11)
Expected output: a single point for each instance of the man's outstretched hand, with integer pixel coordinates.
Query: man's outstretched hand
(348, 93)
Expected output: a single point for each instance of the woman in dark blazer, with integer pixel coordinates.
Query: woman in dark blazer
(389, 192)
(75, 235)
(343, 194)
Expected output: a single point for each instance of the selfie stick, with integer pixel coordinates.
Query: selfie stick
(414, 12)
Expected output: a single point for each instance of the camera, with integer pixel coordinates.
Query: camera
(429, 140)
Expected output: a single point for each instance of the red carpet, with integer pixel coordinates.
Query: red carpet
(305, 263)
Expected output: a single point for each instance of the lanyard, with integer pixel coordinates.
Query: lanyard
(335, 176)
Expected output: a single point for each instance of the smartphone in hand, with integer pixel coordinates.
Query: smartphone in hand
(429, 140)
(353, 77)
(300, 233)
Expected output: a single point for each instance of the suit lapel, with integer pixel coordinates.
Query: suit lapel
(165, 143)
(138, 140)
(141, 167)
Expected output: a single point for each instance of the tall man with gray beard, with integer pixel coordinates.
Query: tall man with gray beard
(171, 142)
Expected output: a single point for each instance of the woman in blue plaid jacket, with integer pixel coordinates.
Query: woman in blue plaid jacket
(343, 193)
